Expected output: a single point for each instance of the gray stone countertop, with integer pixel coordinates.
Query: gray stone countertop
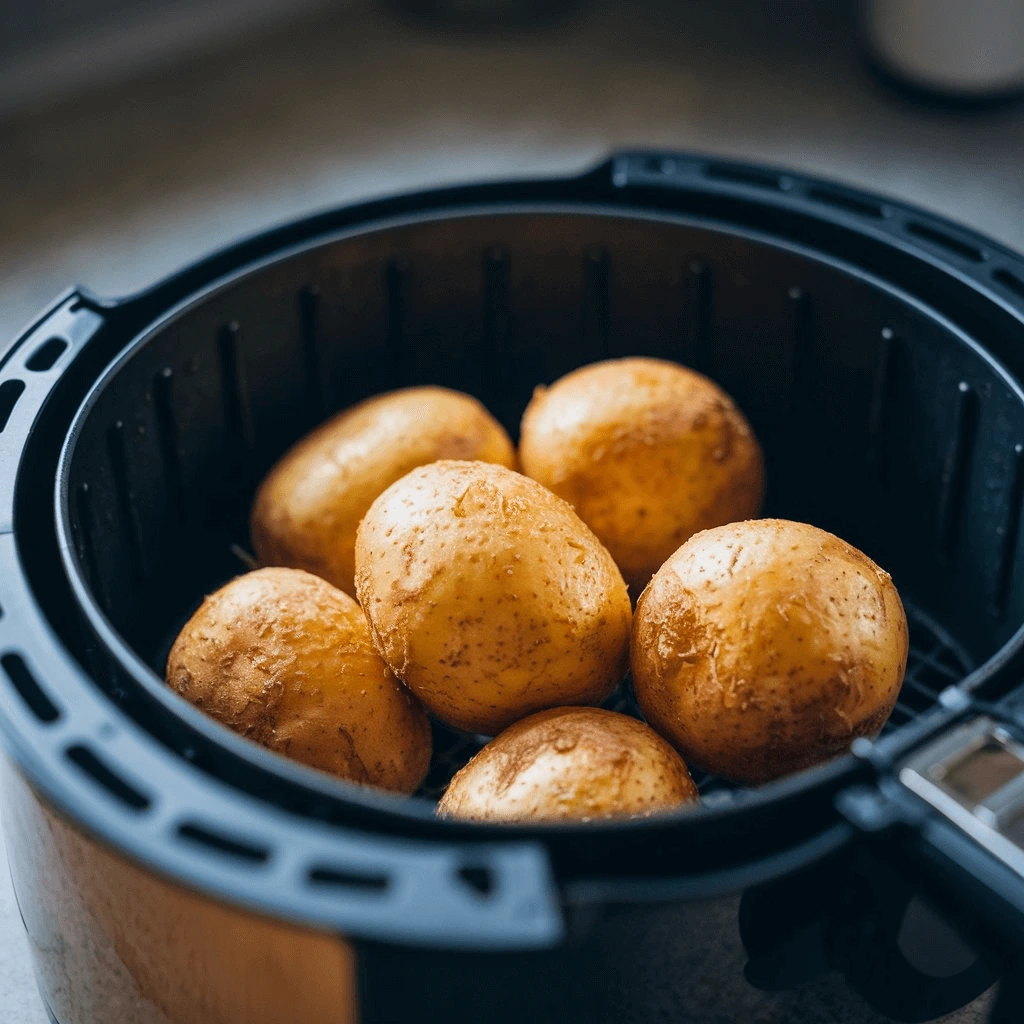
(117, 187)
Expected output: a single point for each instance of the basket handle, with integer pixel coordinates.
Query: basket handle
(951, 816)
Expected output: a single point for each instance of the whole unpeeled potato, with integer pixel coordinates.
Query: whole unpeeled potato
(307, 509)
(284, 658)
(488, 597)
(647, 452)
(765, 647)
(570, 763)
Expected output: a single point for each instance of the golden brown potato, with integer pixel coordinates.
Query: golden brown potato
(307, 509)
(284, 658)
(647, 452)
(570, 763)
(764, 647)
(488, 597)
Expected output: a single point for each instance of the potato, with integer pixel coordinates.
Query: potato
(765, 647)
(570, 763)
(284, 658)
(647, 452)
(488, 597)
(307, 509)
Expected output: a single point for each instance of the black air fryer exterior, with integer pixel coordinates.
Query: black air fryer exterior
(782, 906)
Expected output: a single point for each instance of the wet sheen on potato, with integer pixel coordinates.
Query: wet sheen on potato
(570, 764)
(765, 647)
(489, 597)
(285, 659)
(648, 453)
(308, 508)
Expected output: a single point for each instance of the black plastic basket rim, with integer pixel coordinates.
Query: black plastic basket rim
(372, 799)
(679, 184)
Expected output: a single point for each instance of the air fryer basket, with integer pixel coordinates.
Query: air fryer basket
(876, 351)
(867, 405)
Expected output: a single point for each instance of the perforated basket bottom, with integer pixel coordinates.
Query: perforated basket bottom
(935, 662)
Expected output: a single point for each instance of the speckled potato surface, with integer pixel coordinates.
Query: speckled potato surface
(765, 647)
(570, 763)
(489, 597)
(648, 453)
(285, 659)
(307, 509)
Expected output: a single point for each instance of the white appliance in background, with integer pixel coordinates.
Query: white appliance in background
(966, 48)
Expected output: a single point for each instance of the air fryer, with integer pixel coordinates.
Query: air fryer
(170, 871)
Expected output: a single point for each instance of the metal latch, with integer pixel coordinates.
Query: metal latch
(975, 777)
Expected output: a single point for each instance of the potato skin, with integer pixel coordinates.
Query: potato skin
(765, 647)
(488, 597)
(648, 453)
(570, 763)
(284, 658)
(307, 509)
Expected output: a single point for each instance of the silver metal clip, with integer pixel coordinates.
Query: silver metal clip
(975, 777)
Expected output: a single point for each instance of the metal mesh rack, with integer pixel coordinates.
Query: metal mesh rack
(935, 662)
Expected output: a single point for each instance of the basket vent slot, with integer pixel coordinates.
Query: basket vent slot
(167, 435)
(659, 165)
(214, 840)
(699, 300)
(309, 322)
(28, 688)
(748, 176)
(46, 355)
(845, 201)
(117, 452)
(496, 313)
(1010, 281)
(881, 399)
(595, 303)
(346, 879)
(234, 387)
(946, 241)
(10, 392)
(957, 468)
(479, 878)
(86, 544)
(1010, 529)
(797, 352)
(396, 280)
(105, 776)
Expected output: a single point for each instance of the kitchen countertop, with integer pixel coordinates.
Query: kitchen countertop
(117, 187)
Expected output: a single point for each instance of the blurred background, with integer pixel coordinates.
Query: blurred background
(136, 135)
